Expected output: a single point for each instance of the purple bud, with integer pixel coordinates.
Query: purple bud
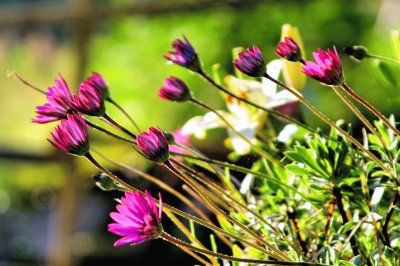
(89, 101)
(71, 135)
(174, 89)
(154, 145)
(184, 55)
(97, 81)
(251, 63)
(289, 50)
(58, 103)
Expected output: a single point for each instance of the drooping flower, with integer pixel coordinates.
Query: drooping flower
(138, 219)
(97, 81)
(184, 55)
(89, 100)
(174, 89)
(289, 50)
(251, 63)
(58, 103)
(327, 69)
(154, 145)
(71, 135)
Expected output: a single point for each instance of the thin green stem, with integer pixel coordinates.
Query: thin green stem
(329, 122)
(241, 169)
(178, 242)
(383, 58)
(272, 112)
(275, 253)
(119, 107)
(255, 147)
(115, 124)
(357, 112)
(371, 108)
(108, 132)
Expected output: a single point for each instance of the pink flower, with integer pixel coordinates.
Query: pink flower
(174, 89)
(327, 69)
(289, 50)
(89, 101)
(154, 145)
(97, 81)
(137, 219)
(251, 63)
(71, 136)
(58, 103)
(184, 55)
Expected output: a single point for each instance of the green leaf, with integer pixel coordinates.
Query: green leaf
(297, 170)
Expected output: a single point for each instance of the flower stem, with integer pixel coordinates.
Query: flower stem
(383, 58)
(112, 122)
(275, 253)
(15, 75)
(108, 132)
(178, 242)
(243, 170)
(119, 107)
(357, 112)
(272, 112)
(329, 122)
(370, 107)
(256, 148)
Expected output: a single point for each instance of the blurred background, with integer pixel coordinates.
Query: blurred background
(50, 211)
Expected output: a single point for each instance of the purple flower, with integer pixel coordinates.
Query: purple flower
(97, 81)
(327, 69)
(71, 136)
(89, 101)
(58, 103)
(137, 219)
(184, 55)
(251, 63)
(154, 145)
(179, 138)
(289, 50)
(174, 89)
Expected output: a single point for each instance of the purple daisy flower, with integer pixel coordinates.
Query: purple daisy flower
(327, 69)
(138, 219)
(58, 103)
(289, 50)
(89, 101)
(71, 136)
(97, 81)
(251, 63)
(174, 89)
(154, 145)
(184, 55)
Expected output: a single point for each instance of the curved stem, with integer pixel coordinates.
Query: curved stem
(119, 107)
(385, 226)
(275, 253)
(383, 58)
(15, 75)
(272, 112)
(256, 148)
(108, 132)
(178, 242)
(371, 108)
(359, 115)
(243, 170)
(329, 122)
(112, 122)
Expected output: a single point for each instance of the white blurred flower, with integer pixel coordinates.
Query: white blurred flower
(244, 118)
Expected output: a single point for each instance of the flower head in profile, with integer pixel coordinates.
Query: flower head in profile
(58, 103)
(89, 100)
(97, 81)
(289, 50)
(251, 63)
(327, 69)
(154, 145)
(71, 136)
(184, 55)
(138, 219)
(174, 89)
